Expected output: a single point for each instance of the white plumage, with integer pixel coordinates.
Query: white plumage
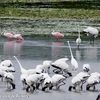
(61, 66)
(24, 71)
(86, 67)
(33, 80)
(56, 80)
(93, 80)
(47, 65)
(9, 77)
(93, 32)
(73, 60)
(78, 40)
(6, 63)
(23, 79)
(79, 80)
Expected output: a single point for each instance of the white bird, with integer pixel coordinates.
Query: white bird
(7, 69)
(61, 66)
(33, 80)
(45, 75)
(24, 71)
(93, 80)
(75, 82)
(56, 80)
(47, 65)
(47, 83)
(73, 60)
(83, 76)
(40, 67)
(93, 32)
(9, 77)
(78, 40)
(79, 80)
(23, 79)
(7, 63)
(86, 67)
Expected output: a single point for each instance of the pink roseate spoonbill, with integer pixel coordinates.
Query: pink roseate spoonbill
(18, 37)
(57, 35)
(10, 36)
(91, 31)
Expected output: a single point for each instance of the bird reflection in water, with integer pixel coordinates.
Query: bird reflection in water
(57, 49)
(90, 52)
(12, 48)
(78, 54)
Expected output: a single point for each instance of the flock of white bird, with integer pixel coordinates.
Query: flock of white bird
(39, 77)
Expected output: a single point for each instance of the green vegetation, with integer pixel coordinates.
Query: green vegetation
(50, 13)
(65, 9)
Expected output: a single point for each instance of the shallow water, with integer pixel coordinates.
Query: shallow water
(34, 51)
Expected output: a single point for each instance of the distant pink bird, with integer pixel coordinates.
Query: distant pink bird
(18, 37)
(57, 35)
(10, 36)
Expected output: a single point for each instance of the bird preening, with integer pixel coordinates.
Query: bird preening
(92, 32)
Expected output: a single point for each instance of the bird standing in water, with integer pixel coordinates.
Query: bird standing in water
(8, 35)
(78, 40)
(57, 35)
(91, 31)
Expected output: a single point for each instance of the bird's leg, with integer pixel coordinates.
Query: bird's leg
(93, 38)
(43, 89)
(50, 88)
(33, 87)
(94, 87)
(2, 79)
(13, 85)
(82, 85)
(63, 83)
(27, 88)
(56, 39)
(37, 85)
(78, 46)
(88, 87)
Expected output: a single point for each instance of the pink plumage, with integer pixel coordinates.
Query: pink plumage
(57, 35)
(10, 36)
(18, 37)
